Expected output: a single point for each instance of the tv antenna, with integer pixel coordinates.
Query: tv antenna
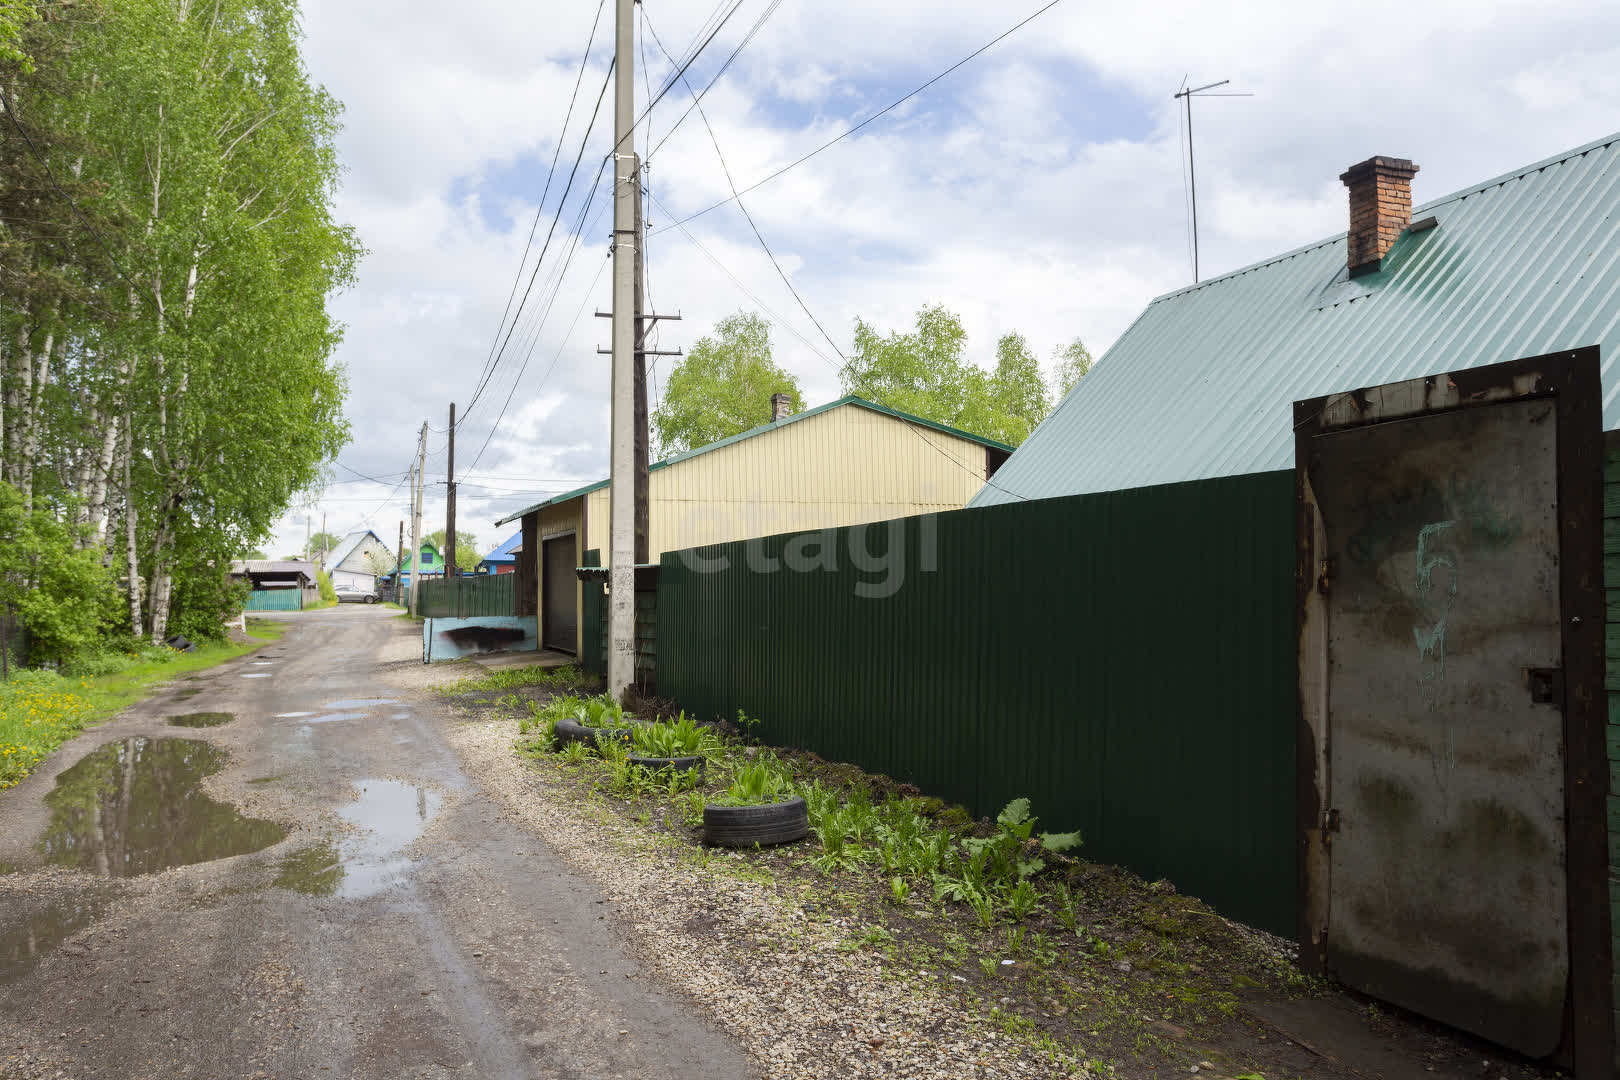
(1188, 94)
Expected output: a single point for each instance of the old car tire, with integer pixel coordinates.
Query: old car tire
(371, 599)
(745, 826)
(679, 764)
(570, 730)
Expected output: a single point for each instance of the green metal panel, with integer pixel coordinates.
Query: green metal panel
(1522, 265)
(593, 659)
(467, 597)
(1126, 660)
(275, 600)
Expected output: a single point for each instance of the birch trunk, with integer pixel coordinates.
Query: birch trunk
(36, 390)
(132, 563)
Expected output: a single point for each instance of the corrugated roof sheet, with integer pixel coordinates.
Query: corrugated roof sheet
(848, 399)
(503, 553)
(1202, 383)
(273, 566)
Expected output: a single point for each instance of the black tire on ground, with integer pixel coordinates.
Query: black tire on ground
(679, 764)
(569, 730)
(745, 826)
(371, 599)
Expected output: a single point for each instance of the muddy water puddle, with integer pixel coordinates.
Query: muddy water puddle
(136, 806)
(387, 818)
(24, 946)
(360, 703)
(201, 719)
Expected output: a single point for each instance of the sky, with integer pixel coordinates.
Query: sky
(1042, 187)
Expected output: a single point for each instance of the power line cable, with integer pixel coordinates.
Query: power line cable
(881, 112)
(551, 231)
(697, 100)
(680, 70)
(539, 209)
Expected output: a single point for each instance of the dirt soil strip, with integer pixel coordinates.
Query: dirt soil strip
(803, 1006)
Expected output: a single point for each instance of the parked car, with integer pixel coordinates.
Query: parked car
(350, 594)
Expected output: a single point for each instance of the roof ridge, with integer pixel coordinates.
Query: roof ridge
(1455, 196)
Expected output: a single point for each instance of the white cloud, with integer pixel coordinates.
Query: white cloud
(1037, 188)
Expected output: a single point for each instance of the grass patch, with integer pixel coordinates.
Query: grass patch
(41, 710)
(514, 678)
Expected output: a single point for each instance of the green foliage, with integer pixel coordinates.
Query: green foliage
(513, 678)
(680, 737)
(899, 889)
(55, 586)
(467, 554)
(722, 387)
(15, 16)
(1004, 852)
(323, 581)
(926, 372)
(205, 376)
(320, 545)
(602, 712)
(1073, 364)
(763, 780)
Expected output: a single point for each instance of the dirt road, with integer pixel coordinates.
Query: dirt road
(306, 884)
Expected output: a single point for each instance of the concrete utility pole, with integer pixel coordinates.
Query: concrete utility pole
(323, 542)
(450, 571)
(416, 520)
(399, 561)
(622, 489)
(642, 326)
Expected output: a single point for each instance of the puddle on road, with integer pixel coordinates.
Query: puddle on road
(285, 715)
(387, 819)
(22, 948)
(329, 717)
(389, 816)
(202, 719)
(137, 806)
(257, 675)
(360, 703)
(313, 871)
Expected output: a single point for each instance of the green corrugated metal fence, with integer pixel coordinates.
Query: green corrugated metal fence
(274, 600)
(483, 594)
(1126, 660)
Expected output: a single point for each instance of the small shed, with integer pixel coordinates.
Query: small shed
(278, 584)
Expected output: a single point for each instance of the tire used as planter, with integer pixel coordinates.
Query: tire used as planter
(679, 764)
(569, 730)
(765, 824)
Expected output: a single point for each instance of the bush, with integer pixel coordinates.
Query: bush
(58, 590)
(328, 593)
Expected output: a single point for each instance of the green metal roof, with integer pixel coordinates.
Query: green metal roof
(1202, 383)
(775, 425)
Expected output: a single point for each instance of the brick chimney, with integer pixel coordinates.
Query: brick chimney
(781, 405)
(1380, 208)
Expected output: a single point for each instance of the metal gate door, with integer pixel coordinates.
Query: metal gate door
(560, 619)
(1443, 871)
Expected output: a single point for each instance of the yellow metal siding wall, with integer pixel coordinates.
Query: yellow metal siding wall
(848, 466)
(554, 521)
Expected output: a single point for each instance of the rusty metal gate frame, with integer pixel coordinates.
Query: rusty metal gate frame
(1573, 382)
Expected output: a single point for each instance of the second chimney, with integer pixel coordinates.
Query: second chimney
(781, 405)
(1380, 208)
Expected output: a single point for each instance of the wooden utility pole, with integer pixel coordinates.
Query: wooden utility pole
(323, 542)
(416, 520)
(399, 561)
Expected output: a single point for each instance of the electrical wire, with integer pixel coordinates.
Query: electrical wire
(697, 104)
(551, 231)
(698, 98)
(539, 208)
(881, 112)
(670, 83)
